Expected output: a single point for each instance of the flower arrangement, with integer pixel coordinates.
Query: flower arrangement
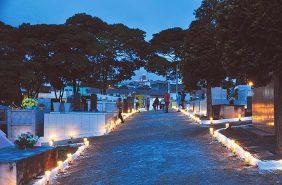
(26, 140)
(29, 103)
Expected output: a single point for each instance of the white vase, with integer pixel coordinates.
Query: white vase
(67, 107)
(56, 106)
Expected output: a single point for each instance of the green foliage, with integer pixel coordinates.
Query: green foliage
(85, 50)
(166, 52)
(29, 103)
(203, 49)
(251, 37)
(26, 140)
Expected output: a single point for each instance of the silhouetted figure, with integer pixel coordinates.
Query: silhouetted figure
(167, 101)
(156, 104)
(120, 106)
(178, 101)
(183, 96)
(148, 103)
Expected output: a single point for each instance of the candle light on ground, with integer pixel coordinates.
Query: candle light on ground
(211, 120)
(51, 143)
(59, 163)
(47, 176)
(239, 117)
(86, 143)
(69, 157)
(211, 130)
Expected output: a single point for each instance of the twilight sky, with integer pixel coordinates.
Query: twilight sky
(151, 16)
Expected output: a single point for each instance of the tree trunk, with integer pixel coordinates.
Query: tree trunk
(56, 96)
(209, 101)
(278, 111)
(76, 105)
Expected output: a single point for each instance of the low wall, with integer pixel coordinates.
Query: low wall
(106, 106)
(18, 167)
(62, 126)
(199, 107)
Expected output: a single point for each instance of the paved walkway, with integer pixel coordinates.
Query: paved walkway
(159, 148)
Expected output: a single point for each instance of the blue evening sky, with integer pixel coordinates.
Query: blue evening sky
(151, 16)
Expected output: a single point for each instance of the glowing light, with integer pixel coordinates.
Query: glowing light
(47, 175)
(51, 143)
(211, 120)
(59, 163)
(72, 134)
(211, 130)
(250, 83)
(227, 125)
(86, 143)
(239, 117)
(85, 139)
(69, 155)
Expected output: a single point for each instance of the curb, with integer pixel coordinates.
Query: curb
(268, 165)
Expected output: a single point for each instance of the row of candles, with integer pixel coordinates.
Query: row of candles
(229, 143)
(62, 165)
(113, 124)
(108, 128)
(233, 146)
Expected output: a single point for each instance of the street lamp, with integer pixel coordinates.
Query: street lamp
(250, 83)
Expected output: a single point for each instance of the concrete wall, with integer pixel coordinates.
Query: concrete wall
(31, 164)
(22, 121)
(62, 126)
(107, 106)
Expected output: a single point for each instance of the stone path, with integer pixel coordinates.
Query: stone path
(159, 148)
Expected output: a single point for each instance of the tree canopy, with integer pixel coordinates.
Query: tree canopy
(83, 51)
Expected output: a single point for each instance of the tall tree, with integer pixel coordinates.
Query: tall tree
(116, 52)
(252, 45)
(203, 51)
(10, 67)
(167, 52)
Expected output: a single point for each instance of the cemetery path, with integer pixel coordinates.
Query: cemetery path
(159, 148)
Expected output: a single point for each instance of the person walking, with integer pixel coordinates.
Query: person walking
(119, 107)
(148, 103)
(156, 104)
(137, 104)
(178, 101)
(183, 96)
(167, 101)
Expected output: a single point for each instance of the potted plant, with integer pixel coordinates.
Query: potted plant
(67, 106)
(29, 103)
(56, 106)
(26, 140)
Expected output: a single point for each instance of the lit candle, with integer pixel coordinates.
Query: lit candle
(51, 143)
(59, 163)
(47, 175)
(233, 146)
(239, 117)
(69, 155)
(251, 83)
(211, 120)
(211, 130)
